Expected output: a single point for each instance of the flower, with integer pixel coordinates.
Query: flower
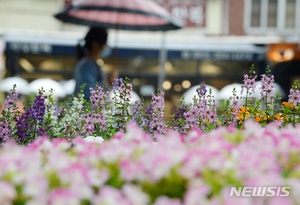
(164, 200)
(267, 87)
(31, 123)
(8, 192)
(97, 139)
(137, 114)
(201, 91)
(286, 104)
(11, 100)
(157, 115)
(249, 84)
(294, 96)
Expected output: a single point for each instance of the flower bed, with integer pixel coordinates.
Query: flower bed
(101, 117)
(194, 159)
(130, 169)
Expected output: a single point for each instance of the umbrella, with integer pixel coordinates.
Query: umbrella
(8, 83)
(190, 93)
(47, 84)
(138, 15)
(69, 86)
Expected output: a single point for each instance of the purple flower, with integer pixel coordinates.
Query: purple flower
(179, 114)
(267, 87)
(148, 113)
(10, 102)
(157, 115)
(137, 114)
(31, 123)
(118, 82)
(99, 97)
(249, 84)
(201, 91)
(294, 96)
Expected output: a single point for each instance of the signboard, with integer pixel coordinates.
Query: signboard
(190, 13)
(213, 54)
(40, 48)
(222, 55)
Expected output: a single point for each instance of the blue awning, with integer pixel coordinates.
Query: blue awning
(184, 51)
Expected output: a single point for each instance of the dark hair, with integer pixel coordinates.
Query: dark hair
(96, 33)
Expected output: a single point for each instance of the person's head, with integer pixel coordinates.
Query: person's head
(94, 41)
(96, 38)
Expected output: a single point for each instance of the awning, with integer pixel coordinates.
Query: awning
(17, 44)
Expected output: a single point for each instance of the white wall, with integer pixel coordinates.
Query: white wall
(214, 17)
(29, 14)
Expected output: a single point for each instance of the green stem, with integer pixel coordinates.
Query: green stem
(244, 115)
(294, 116)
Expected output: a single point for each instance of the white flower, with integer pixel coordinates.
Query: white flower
(97, 139)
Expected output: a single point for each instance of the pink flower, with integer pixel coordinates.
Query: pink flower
(110, 196)
(7, 193)
(134, 194)
(164, 200)
(63, 196)
(277, 200)
(131, 170)
(267, 87)
(249, 84)
(197, 195)
(35, 184)
(294, 96)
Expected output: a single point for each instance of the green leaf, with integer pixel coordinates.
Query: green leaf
(263, 121)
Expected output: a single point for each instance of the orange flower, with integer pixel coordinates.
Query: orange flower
(257, 119)
(278, 117)
(243, 112)
(286, 104)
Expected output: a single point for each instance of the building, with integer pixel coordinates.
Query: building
(221, 40)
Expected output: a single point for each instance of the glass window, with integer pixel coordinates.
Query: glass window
(140, 65)
(290, 13)
(178, 66)
(57, 67)
(255, 13)
(272, 13)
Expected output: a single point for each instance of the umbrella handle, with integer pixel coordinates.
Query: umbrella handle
(116, 52)
(162, 60)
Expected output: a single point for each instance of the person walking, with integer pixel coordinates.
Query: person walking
(87, 71)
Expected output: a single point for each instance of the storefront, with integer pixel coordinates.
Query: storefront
(188, 64)
(285, 64)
